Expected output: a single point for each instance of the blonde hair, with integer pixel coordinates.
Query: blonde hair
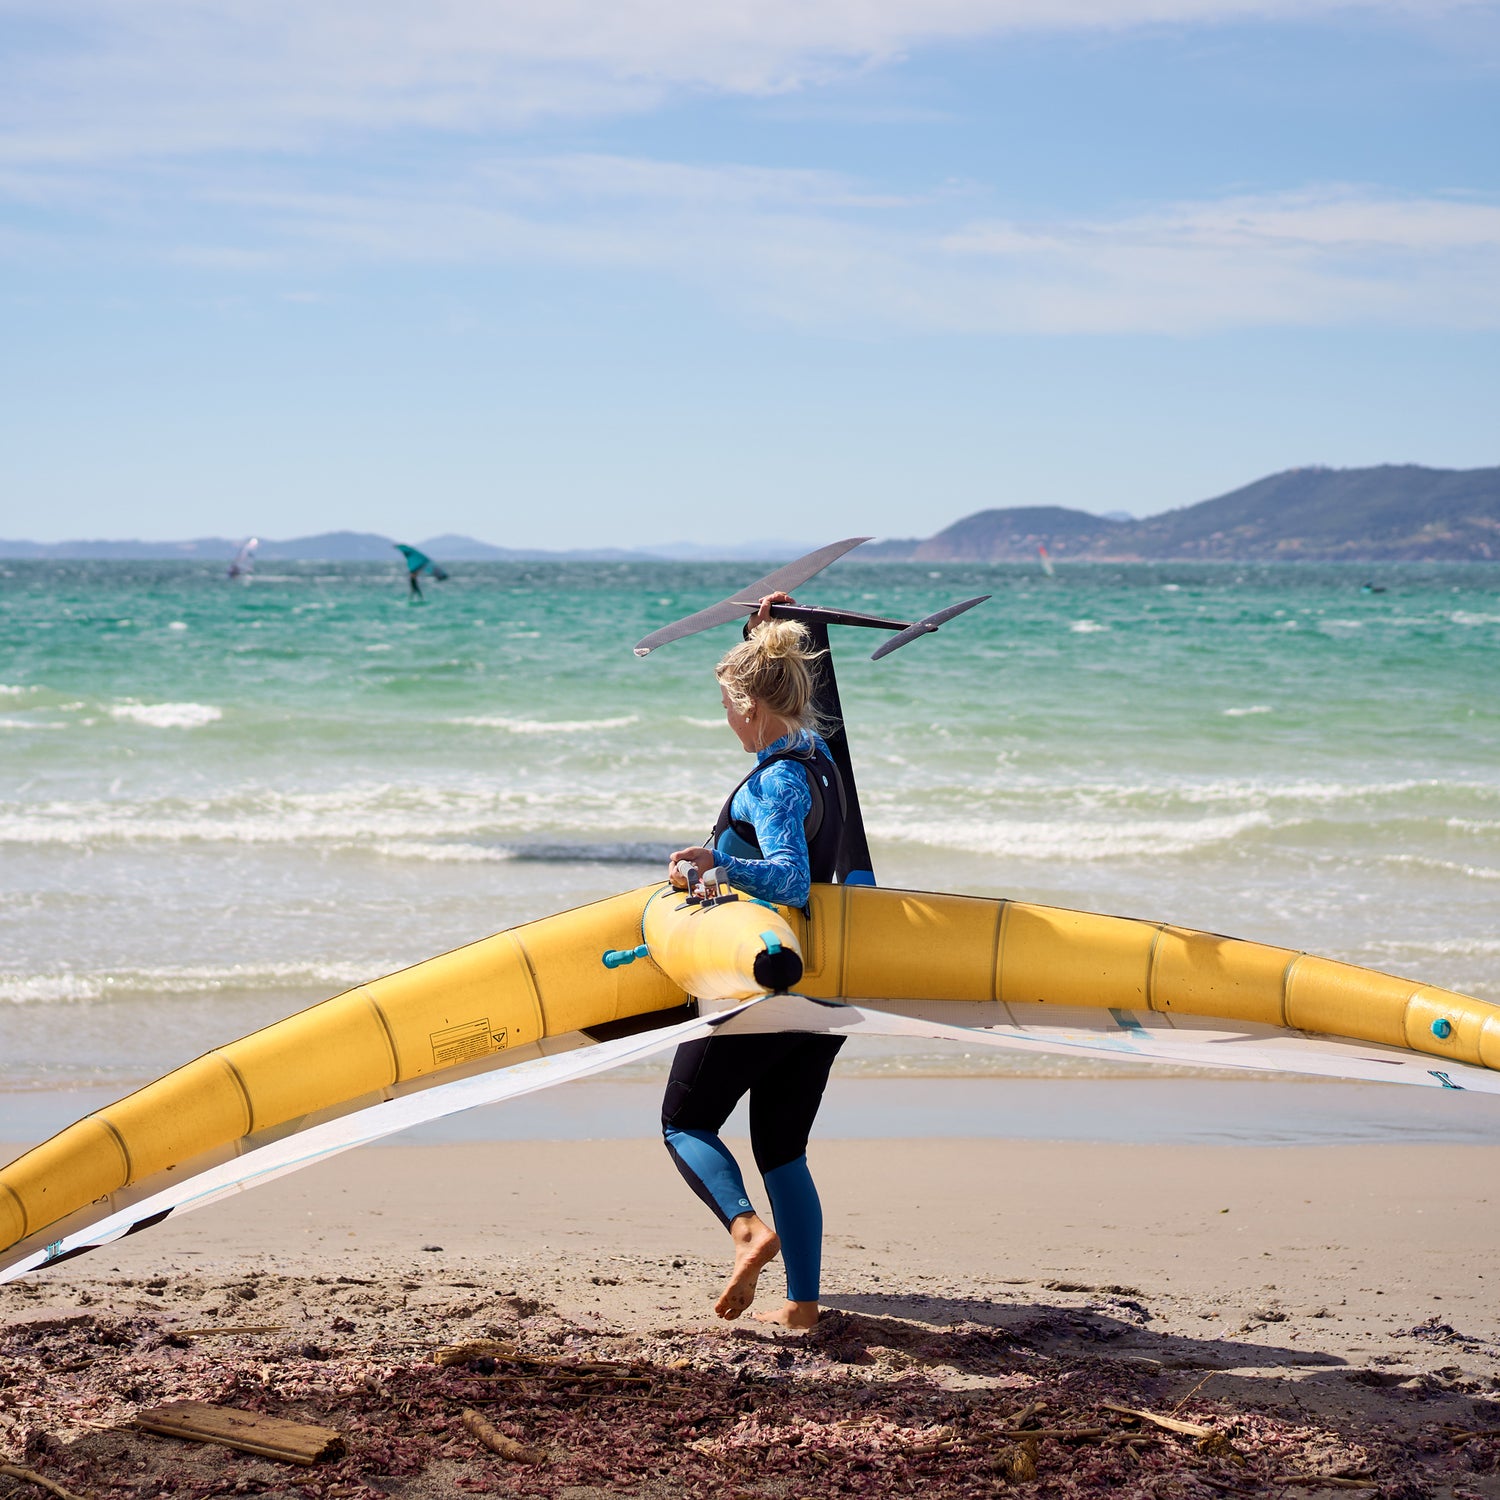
(774, 667)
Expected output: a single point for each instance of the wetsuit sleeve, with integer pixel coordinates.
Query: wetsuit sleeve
(776, 804)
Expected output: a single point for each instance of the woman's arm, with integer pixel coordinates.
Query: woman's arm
(776, 804)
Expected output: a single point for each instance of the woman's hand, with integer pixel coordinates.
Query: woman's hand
(702, 860)
(764, 612)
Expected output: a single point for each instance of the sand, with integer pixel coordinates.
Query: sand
(1326, 1311)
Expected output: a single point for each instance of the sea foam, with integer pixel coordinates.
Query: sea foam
(1066, 839)
(545, 726)
(75, 987)
(168, 715)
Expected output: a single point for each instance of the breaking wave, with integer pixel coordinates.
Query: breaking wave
(1447, 866)
(1070, 840)
(467, 822)
(456, 852)
(546, 726)
(68, 986)
(168, 715)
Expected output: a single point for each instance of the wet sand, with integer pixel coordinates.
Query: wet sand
(1155, 1109)
(1327, 1310)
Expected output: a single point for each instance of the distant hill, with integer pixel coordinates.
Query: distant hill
(1390, 513)
(330, 546)
(365, 546)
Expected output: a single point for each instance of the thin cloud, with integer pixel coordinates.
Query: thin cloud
(817, 250)
(91, 80)
(1330, 257)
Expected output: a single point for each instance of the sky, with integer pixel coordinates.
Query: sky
(571, 273)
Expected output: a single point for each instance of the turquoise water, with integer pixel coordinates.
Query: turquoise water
(219, 803)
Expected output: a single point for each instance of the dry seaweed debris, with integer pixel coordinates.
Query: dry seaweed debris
(668, 1413)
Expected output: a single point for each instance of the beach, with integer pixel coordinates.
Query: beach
(1323, 1308)
(219, 806)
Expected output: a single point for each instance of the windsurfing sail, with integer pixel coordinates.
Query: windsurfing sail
(244, 560)
(1046, 561)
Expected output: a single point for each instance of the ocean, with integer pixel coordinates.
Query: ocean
(221, 802)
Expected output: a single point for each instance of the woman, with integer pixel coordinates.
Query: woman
(778, 832)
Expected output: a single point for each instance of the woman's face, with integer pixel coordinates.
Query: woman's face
(747, 725)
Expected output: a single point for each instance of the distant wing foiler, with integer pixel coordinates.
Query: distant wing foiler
(448, 1034)
(417, 561)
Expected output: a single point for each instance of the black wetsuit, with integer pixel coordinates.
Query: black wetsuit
(784, 1073)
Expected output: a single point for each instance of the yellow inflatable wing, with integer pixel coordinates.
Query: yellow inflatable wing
(632, 961)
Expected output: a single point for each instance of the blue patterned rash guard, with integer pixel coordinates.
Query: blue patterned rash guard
(776, 802)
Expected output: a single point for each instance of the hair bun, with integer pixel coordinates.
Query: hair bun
(781, 638)
(773, 666)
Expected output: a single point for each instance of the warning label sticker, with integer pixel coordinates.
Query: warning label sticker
(457, 1044)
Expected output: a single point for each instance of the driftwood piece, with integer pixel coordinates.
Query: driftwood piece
(1329, 1481)
(1167, 1424)
(30, 1476)
(463, 1354)
(934, 1440)
(249, 1431)
(1027, 1412)
(497, 1442)
(199, 1333)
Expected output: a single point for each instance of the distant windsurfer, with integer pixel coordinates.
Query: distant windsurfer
(244, 560)
(779, 831)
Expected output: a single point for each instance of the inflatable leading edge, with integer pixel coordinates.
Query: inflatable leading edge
(553, 978)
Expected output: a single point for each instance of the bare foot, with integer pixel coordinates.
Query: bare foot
(755, 1246)
(798, 1315)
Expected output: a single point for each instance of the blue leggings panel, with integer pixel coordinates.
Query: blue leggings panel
(711, 1172)
(784, 1073)
(799, 1223)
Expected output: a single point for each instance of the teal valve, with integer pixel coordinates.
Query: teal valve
(1442, 1028)
(617, 958)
